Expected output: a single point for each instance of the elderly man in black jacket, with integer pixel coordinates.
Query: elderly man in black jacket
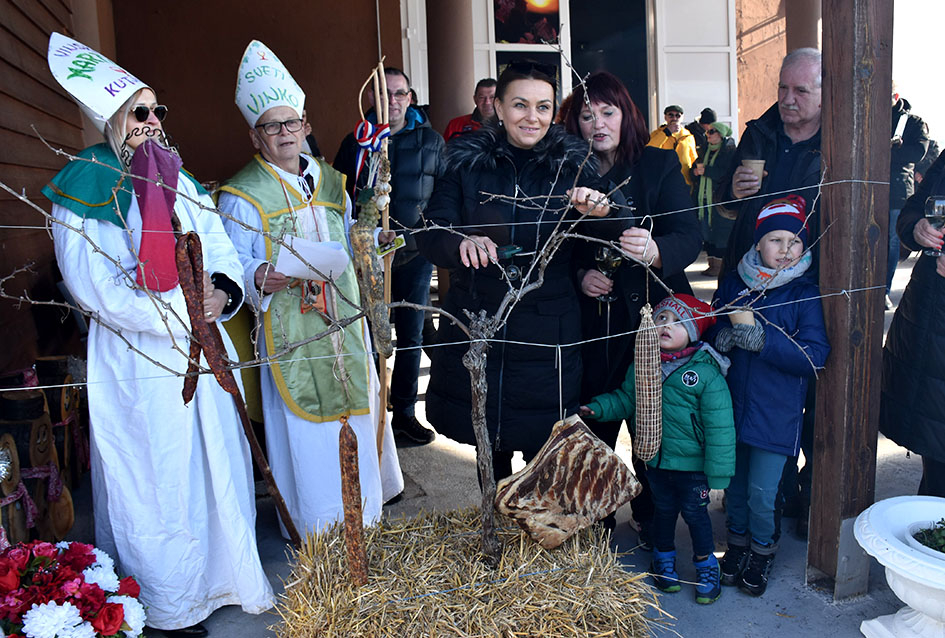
(415, 151)
(910, 141)
(787, 137)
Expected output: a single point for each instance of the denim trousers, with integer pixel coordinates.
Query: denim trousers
(409, 282)
(676, 493)
(751, 495)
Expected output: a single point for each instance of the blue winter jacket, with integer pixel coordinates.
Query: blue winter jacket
(768, 387)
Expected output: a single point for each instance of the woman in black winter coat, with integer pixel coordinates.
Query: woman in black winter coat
(650, 180)
(912, 408)
(652, 184)
(530, 387)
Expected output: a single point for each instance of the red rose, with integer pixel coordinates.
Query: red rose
(128, 586)
(46, 550)
(19, 555)
(9, 576)
(109, 619)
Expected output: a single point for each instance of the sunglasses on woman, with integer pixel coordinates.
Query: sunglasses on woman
(142, 112)
(711, 131)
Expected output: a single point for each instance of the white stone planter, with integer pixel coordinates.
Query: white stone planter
(916, 577)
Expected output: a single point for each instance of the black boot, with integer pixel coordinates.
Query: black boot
(733, 564)
(754, 579)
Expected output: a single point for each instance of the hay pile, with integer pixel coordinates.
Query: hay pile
(426, 578)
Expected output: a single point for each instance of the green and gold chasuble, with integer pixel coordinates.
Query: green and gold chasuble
(327, 378)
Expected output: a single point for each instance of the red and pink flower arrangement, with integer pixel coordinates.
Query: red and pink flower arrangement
(67, 590)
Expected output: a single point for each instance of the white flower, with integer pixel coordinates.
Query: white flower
(134, 614)
(85, 630)
(63, 545)
(103, 576)
(50, 620)
(103, 559)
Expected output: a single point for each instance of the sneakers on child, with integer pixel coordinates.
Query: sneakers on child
(664, 571)
(754, 579)
(733, 564)
(708, 575)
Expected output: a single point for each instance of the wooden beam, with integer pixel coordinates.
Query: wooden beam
(857, 36)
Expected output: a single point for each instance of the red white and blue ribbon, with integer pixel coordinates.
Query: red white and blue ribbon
(369, 138)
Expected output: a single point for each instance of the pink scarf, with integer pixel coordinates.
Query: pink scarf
(157, 269)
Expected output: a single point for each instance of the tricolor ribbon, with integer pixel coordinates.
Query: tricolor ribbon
(369, 138)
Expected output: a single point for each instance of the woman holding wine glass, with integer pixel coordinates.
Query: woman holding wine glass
(912, 404)
(666, 234)
(509, 188)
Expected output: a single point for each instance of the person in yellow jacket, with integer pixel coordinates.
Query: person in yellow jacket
(673, 136)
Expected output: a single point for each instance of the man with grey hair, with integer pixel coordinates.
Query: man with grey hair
(787, 138)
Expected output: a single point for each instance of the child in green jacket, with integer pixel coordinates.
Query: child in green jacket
(697, 451)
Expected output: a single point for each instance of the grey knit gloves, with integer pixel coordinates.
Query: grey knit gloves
(745, 336)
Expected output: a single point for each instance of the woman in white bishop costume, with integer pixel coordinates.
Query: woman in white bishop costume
(172, 484)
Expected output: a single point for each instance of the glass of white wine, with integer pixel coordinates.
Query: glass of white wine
(935, 213)
(608, 260)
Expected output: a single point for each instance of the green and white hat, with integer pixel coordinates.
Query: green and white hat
(98, 85)
(263, 82)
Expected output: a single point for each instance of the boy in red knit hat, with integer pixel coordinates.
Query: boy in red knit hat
(775, 346)
(697, 451)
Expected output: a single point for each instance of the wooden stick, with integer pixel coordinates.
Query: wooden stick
(384, 118)
(207, 337)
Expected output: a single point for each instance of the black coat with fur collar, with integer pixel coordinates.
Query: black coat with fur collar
(528, 385)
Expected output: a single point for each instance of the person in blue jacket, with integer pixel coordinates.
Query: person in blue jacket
(775, 345)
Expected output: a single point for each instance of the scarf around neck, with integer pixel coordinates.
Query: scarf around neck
(759, 277)
(705, 183)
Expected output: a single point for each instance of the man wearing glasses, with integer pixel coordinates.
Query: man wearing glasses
(308, 386)
(415, 152)
(674, 136)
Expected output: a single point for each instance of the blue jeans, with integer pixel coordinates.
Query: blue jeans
(893, 259)
(750, 497)
(676, 493)
(409, 282)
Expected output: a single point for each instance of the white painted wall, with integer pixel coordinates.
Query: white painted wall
(918, 28)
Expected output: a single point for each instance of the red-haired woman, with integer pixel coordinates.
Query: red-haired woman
(603, 113)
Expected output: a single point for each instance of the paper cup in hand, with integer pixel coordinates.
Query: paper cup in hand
(757, 167)
(745, 317)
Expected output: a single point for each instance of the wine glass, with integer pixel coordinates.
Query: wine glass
(608, 260)
(935, 213)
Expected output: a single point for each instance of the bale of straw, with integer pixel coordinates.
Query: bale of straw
(649, 388)
(427, 578)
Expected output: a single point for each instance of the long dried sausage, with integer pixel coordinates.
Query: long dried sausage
(351, 499)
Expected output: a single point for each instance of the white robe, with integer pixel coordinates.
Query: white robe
(303, 454)
(172, 484)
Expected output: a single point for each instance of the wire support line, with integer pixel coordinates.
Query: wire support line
(846, 292)
(413, 231)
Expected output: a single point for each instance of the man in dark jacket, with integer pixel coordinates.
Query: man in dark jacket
(910, 141)
(415, 151)
(787, 138)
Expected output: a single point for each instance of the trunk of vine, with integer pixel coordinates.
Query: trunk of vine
(475, 361)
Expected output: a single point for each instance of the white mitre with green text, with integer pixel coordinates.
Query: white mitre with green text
(263, 82)
(99, 85)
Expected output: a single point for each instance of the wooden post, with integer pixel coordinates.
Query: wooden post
(857, 36)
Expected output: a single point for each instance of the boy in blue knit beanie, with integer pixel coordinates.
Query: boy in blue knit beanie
(775, 347)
